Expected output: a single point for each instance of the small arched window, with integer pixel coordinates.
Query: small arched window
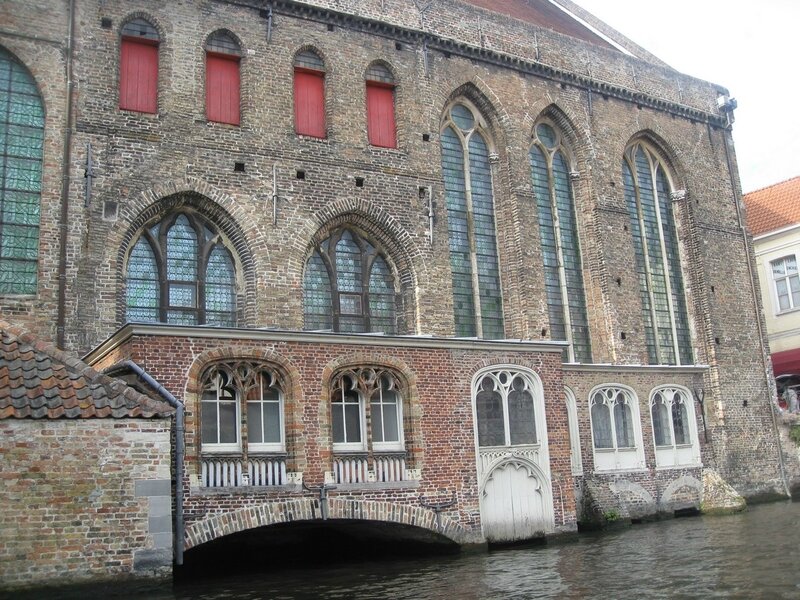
(348, 286)
(477, 299)
(616, 430)
(309, 94)
(21, 143)
(381, 125)
(674, 428)
(505, 410)
(558, 230)
(138, 67)
(223, 55)
(647, 194)
(180, 272)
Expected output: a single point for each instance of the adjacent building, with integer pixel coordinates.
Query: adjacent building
(476, 268)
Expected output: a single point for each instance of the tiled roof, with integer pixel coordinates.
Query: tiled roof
(38, 381)
(773, 207)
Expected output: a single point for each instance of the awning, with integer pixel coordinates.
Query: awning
(786, 362)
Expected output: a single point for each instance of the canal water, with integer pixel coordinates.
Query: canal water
(755, 554)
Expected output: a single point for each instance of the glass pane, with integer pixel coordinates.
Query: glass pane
(462, 117)
(142, 284)
(546, 135)
(660, 422)
(255, 425)
(338, 422)
(379, 73)
(381, 297)
(140, 28)
(220, 288)
(601, 426)
(227, 423)
(376, 413)
(680, 422)
(309, 60)
(182, 251)
(317, 295)
(223, 43)
(489, 407)
(184, 296)
(521, 419)
(352, 418)
(623, 424)
(272, 422)
(208, 418)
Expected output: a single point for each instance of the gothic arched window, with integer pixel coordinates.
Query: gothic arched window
(180, 272)
(558, 229)
(616, 429)
(138, 67)
(477, 299)
(647, 195)
(21, 137)
(674, 427)
(348, 286)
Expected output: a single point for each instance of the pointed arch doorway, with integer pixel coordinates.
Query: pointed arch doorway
(513, 462)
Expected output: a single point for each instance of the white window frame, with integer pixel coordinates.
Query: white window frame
(350, 446)
(675, 455)
(787, 278)
(399, 444)
(215, 447)
(616, 458)
(267, 447)
(575, 458)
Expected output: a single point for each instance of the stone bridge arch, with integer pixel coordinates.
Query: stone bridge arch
(308, 509)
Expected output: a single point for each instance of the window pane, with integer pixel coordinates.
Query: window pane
(680, 422)
(661, 422)
(601, 426)
(317, 295)
(142, 284)
(521, 420)
(352, 417)
(220, 288)
(227, 423)
(255, 424)
(489, 406)
(338, 423)
(381, 297)
(623, 424)
(209, 422)
(376, 413)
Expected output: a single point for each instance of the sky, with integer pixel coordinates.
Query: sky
(751, 48)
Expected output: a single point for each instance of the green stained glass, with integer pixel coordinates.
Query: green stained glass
(220, 290)
(558, 232)
(142, 290)
(21, 135)
(381, 297)
(317, 294)
(657, 260)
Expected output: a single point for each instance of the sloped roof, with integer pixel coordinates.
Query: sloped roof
(38, 381)
(544, 14)
(773, 207)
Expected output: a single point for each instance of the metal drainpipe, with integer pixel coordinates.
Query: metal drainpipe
(179, 450)
(755, 290)
(65, 178)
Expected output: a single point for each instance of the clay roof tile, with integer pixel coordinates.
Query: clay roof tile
(773, 207)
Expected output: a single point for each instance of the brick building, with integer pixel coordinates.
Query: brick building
(485, 253)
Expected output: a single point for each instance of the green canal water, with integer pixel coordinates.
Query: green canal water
(755, 554)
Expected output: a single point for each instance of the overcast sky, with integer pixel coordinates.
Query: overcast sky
(751, 48)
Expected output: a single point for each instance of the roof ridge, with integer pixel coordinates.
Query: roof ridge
(766, 187)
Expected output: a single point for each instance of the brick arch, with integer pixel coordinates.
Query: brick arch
(400, 247)
(683, 484)
(665, 151)
(225, 30)
(490, 106)
(140, 14)
(384, 63)
(307, 509)
(578, 139)
(39, 80)
(216, 206)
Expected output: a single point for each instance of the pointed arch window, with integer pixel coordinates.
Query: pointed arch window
(558, 230)
(477, 301)
(647, 195)
(223, 55)
(21, 139)
(505, 410)
(616, 429)
(381, 125)
(138, 67)
(674, 427)
(180, 272)
(348, 286)
(309, 94)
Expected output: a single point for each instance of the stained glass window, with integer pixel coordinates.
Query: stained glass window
(21, 136)
(348, 286)
(477, 298)
(180, 272)
(647, 195)
(558, 231)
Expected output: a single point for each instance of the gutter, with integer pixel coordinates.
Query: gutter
(63, 222)
(179, 448)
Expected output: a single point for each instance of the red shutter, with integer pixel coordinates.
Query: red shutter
(138, 76)
(309, 103)
(380, 115)
(222, 88)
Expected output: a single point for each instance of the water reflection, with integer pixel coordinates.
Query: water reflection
(751, 555)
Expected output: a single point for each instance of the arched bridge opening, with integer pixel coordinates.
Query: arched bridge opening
(297, 533)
